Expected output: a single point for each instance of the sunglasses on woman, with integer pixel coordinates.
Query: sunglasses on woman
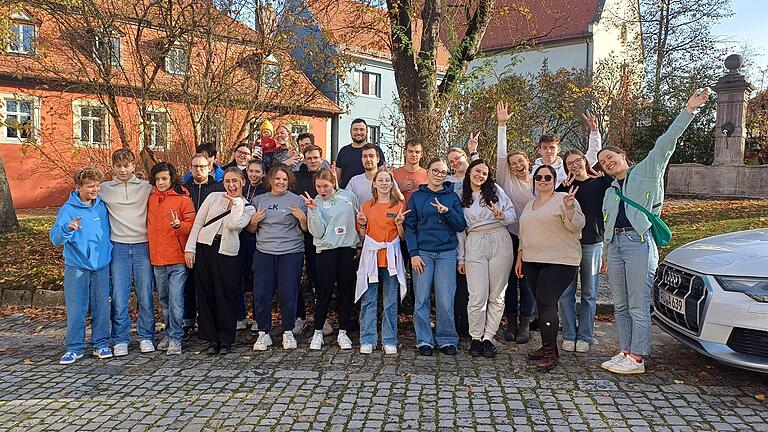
(540, 177)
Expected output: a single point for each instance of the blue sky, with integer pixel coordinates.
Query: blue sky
(748, 24)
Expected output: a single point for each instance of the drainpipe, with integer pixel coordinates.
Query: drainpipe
(588, 59)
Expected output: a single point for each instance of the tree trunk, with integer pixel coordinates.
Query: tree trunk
(8, 221)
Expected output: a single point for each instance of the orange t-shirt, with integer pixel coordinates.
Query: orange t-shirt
(411, 180)
(381, 225)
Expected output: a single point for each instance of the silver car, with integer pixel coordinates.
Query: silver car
(712, 295)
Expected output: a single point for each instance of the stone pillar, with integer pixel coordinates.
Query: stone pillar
(730, 131)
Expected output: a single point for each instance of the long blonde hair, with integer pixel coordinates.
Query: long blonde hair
(395, 196)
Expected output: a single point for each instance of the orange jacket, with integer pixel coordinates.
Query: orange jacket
(166, 245)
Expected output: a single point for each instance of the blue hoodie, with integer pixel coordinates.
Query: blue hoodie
(425, 228)
(89, 247)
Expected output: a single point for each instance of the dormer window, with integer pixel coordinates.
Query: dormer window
(270, 72)
(23, 32)
(177, 61)
(111, 50)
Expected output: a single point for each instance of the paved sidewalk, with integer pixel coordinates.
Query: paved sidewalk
(334, 390)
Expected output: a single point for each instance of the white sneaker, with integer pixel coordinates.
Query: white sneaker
(263, 342)
(120, 350)
(327, 328)
(146, 346)
(174, 347)
(366, 349)
(317, 340)
(617, 358)
(569, 345)
(163, 344)
(289, 342)
(390, 349)
(241, 325)
(299, 326)
(627, 366)
(582, 346)
(255, 326)
(344, 342)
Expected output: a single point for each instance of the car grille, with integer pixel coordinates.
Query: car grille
(688, 286)
(748, 341)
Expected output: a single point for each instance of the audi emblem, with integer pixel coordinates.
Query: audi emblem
(672, 279)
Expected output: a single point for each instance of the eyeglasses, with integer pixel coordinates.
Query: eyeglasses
(439, 173)
(574, 163)
(199, 167)
(243, 153)
(545, 177)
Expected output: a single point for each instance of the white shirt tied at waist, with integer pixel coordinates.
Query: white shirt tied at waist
(368, 272)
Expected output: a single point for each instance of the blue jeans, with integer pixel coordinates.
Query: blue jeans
(86, 290)
(518, 286)
(440, 273)
(130, 265)
(369, 309)
(632, 262)
(170, 281)
(589, 273)
(279, 273)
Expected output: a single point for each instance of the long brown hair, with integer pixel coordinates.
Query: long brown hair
(394, 196)
(576, 152)
(273, 171)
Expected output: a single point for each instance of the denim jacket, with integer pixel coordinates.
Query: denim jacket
(644, 183)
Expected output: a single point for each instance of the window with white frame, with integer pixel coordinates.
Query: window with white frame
(374, 135)
(177, 61)
(156, 128)
(111, 51)
(22, 34)
(369, 84)
(20, 119)
(91, 123)
(270, 72)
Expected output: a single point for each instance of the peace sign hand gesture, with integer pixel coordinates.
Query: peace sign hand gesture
(298, 213)
(569, 199)
(175, 222)
(569, 180)
(591, 120)
(440, 208)
(502, 112)
(360, 217)
(472, 142)
(75, 224)
(259, 216)
(309, 201)
(498, 214)
(400, 218)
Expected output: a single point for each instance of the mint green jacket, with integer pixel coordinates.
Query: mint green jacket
(644, 183)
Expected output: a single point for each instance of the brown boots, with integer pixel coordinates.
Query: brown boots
(545, 357)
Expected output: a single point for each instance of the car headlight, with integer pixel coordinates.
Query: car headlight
(753, 287)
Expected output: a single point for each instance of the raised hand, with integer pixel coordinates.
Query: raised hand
(360, 217)
(259, 216)
(472, 142)
(400, 218)
(440, 208)
(309, 201)
(75, 224)
(256, 152)
(698, 98)
(570, 179)
(502, 112)
(175, 222)
(569, 200)
(594, 174)
(298, 213)
(591, 120)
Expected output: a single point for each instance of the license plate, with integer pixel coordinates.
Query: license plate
(673, 302)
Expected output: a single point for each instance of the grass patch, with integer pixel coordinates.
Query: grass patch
(27, 257)
(28, 260)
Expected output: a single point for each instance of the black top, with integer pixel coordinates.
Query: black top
(590, 197)
(621, 218)
(250, 191)
(305, 182)
(199, 192)
(350, 161)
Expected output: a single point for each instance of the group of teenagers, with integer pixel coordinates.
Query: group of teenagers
(517, 243)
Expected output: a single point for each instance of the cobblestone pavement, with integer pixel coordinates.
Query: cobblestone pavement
(334, 390)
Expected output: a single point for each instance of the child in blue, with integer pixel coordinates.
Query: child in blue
(82, 227)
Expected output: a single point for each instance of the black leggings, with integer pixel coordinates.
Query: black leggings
(335, 265)
(547, 283)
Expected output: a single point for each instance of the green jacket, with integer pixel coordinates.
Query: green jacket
(644, 183)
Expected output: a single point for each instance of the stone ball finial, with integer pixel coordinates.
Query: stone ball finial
(734, 62)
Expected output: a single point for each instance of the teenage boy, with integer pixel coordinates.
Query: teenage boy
(549, 148)
(304, 140)
(82, 227)
(126, 199)
(361, 184)
(411, 175)
(200, 184)
(348, 162)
